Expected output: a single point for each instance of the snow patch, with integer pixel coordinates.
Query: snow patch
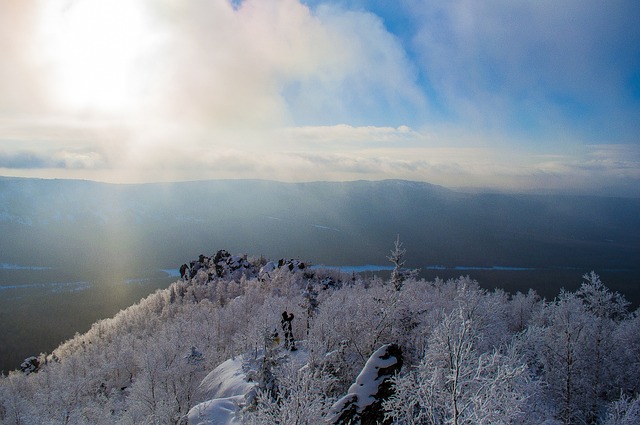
(220, 411)
(224, 389)
(226, 380)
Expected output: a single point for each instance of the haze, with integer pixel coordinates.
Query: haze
(532, 95)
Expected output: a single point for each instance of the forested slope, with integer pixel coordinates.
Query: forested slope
(469, 356)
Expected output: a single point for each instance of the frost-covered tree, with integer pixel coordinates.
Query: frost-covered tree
(310, 303)
(302, 397)
(625, 411)
(522, 307)
(470, 355)
(599, 300)
(455, 383)
(559, 347)
(627, 355)
(15, 393)
(399, 273)
(605, 309)
(576, 346)
(165, 386)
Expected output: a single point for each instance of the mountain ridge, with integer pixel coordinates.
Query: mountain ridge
(240, 213)
(108, 235)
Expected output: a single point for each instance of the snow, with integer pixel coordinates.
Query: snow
(362, 393)
(224, 388)
(219, 411)
(51, 286)
(226, 380)
(499, 268)
(137, 281)
(367, 382)
(268, 268)
(320, 226)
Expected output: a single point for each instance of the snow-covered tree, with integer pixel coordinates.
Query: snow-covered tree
(599, 300)
(310, 303)
(606, 309)
(363, 404)
(559, 347)
(625, 411)
(455, 383)
(399, 273)
(522, 308)
(301, 399)
(575, 345)
(470, 355)
(627, 356)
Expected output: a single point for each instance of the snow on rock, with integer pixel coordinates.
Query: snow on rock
(267, 268)
(363, 402)
(221, 265)
(292, 264)
(224, 388)
(30, 365)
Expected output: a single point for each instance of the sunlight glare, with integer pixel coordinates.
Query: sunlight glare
(96, 49)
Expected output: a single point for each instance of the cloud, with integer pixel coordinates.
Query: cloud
(25, 160)
(214, 74)
(342, 136)
(533, 66)
(598, 162)
(483, 94)
(270, 63)
(339, 152)
(598, 169)
(56, 159)
(22, 85)
(370, 78)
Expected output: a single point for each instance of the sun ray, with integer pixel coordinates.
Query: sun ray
(96, 51)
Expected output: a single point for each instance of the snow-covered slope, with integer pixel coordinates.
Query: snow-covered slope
(231, 386)
(461, 346)
(224, 389)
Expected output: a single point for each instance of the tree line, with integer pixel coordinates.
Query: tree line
(470, 356)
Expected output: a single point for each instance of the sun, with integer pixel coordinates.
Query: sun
(95, 51)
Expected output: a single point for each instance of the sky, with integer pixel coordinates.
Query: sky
(502, 95)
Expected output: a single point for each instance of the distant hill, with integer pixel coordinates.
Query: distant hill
(72, 252)
(53, 222)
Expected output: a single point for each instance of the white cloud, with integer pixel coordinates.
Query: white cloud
(273, 89)
(327, 137)
(61, 159)
(272, 63)
(214, 75)
(22, 84)
(533, 66)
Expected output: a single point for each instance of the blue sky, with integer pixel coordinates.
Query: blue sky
(526, 95)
